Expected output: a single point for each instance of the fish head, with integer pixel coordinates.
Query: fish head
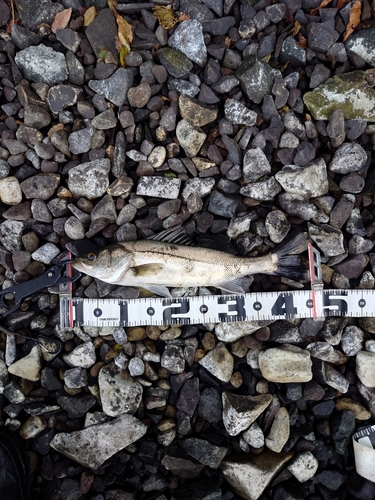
(106, 264)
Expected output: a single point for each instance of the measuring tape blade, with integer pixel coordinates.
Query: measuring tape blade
(215, 308)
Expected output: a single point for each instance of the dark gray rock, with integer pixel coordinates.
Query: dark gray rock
(362, 44)
(174, 62)
(203, 451)
(225, 205)
(293, 53)
(210, 405)
(256, 78)
(62, 96)
(115, 87)
(196, 10)
(34, 12)
(75, 69)
(321, 36)
(102, 32)
(40, 186)
(343, 425)
(42, 64)
(23, 38)
(69, 38)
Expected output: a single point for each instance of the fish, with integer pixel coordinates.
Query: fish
(168, 260)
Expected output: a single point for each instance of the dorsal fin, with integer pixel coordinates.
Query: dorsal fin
(216, 242)
(177, 236)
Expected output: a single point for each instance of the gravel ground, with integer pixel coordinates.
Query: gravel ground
(245, 118)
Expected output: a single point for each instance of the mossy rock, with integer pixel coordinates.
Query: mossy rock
(349, 92)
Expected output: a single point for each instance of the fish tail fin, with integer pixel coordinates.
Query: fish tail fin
(290, 266)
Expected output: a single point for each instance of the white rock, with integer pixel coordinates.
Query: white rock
(159, 187)
(254, 436)
(94, 445)
(4, 377)
(264, 190)
(285, 364)
(33, 426)
(352, 340)
(239, 412)
(28, 367)
(90, 179)
(238, 113)
(304, 466)
(365, 368)
(255, 165)
(280, 430)
(219, 362)
(349, 157)
(119, 393)
(202, 187)
(157, 156)
(310, 181)
(190, 138)
(188, 39)
(238, 225)
(329, 239)
(46, 253)
(10, 191)
(83, 355)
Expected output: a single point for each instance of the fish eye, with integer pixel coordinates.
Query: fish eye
(91, 256)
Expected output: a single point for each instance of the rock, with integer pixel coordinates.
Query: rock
(42, 64)
(304, 466)
(46, 253)
(60, 97)
(119, 393)
(225, 205)
(362, 43)
(32, 13)
(29, 366)
(196, 113)
(69, 38)
(75, 378)
(40, 186)
(202, 187)
(310, 181)
(279, 433)
(285, 364)
(102, 32)
(177, 462)
(159, 187)
(321, 36)
(249, 476)
(210, 405)
(342, 428)
(352, 340)
(348, 158)
(326, 352)
(10, 191)
(219, 362)
(83, 355)
(114, 88)
(203, 451)
(174, 62)
(277, 226)
(329, 239)
(365, 368)
(239, 412)
(139, 96)
(188, 39)
(254, 436)
(336, 128)
(292, 53)
(92, 446)
(334, 379)
(349, 92)
(256, 78)
(264, 190)
(90, 179)
(173, 359)
(33, 426)
(360, 412)
(190, 138)
(105, 120)
(237, 113)
(255, 165)
(199, 489)
(11, 234)
(36, 117)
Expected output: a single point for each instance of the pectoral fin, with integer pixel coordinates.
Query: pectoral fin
(234, 286)
(146, 269)
(158, 290)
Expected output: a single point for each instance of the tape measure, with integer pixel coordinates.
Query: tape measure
(313, 303)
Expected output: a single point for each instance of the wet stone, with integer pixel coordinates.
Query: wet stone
(42, 64)
(188, 39)
(362, 43)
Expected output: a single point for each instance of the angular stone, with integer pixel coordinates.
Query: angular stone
(249, 476)
(285, 364)
(46, 253)
(280, 430)
(256, 78)
(114, 88)
(197, 185)
(310, 181)
(254, 436)
(349, 92)
(348, 158)
(188, 39)
(210, 405)
(119, 393)
(11, 234)
(360, 412)
(329, 239)
(205, 452)
(29, 366)
(219, 362)
(90, 180)
(326, 352)
(92, 446)
(238, 113)
(239, 412)
(159, 187)
(102, 32)
(190, 138)
(69, 38)
(196, 113)
(36, 117)
(40, 186)
(174, 62)
(264, 190)
(304, 466)
(362, 43)
(60, 97)
(42, 64)
(365, 368)
(33, 12)
(82, 356)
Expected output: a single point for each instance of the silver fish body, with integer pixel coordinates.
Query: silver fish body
(156, 265)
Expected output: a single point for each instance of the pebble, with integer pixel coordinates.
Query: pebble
(329, 239)
(365, 368)
(239, 412)
(190, 138)
(255, 165)
(348, 158)
(174, 62)
(254, 436)
(92, 446)
(285, 364)
(46, 253)
(280, 430)
(105, 120)
(82, 356)
(42, 64)
(159, 187)
(352, 340)
(188, 39)
(40, 186)
(114, 88)
(89, 180)
(326, 352)
(139, 96)
(11, 235)
(256, 78)
(29, 366)
(361, 43)
(304, 466)
(10, 191)
(60, 97)
(277, 226)
(205, 452)
(219, 362)
(237, 113)
(75, 378)
(195, 112)
(119, 393)
(310, 181)
(210, 405)
(136, 367)
(36, 117)
(264, 190)
(173, 359)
